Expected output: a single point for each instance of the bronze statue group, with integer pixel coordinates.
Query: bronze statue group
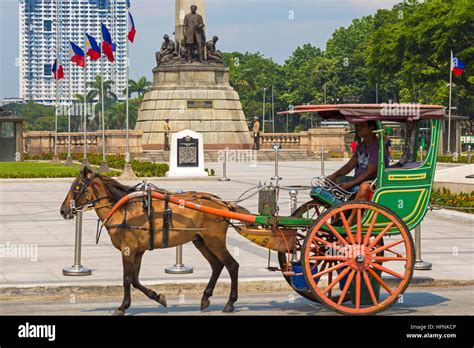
(193, 47)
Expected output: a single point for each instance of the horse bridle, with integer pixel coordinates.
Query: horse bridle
(85, 183)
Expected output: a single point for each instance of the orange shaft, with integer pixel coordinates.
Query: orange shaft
(183, 203)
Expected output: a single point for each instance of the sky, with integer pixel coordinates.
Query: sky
(274, 28)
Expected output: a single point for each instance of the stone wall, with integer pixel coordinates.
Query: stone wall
(43, 142)
(332, 139)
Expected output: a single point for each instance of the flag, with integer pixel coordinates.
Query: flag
(57, 70)
(92, 48)
(77, 55)
(457, 66)
(132, 31)
(107, 44)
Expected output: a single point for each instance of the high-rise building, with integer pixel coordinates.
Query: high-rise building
(39, 30)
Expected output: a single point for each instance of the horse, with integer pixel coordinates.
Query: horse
(207, 232)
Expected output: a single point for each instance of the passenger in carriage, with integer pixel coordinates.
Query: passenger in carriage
(364, 161)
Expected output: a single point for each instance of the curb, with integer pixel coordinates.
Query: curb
(452, 215)
(44, 293)
(69, 180)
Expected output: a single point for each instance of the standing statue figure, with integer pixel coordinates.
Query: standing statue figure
(213, 55)
(167, 51)
(193, 34)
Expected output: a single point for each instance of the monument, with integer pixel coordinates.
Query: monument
(191, 88)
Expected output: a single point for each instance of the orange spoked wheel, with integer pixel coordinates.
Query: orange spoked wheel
(311, 211)
(364, 275)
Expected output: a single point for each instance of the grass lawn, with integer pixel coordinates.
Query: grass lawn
(37, 170)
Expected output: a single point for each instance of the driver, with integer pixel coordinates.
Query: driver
(364, 161)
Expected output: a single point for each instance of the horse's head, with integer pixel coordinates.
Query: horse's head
(83, 191)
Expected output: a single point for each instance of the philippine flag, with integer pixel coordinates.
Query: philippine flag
(77, 55)
(92, 48)
(132, 31)
(107, 44)
(457, 66)
(57, 70)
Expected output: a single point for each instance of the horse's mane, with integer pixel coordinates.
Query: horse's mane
(115, 189)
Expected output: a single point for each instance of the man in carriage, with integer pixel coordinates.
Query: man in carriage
(364, 161)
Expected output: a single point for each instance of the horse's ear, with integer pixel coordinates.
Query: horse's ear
(86, 172)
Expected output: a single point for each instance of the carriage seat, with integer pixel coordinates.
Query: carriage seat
(408, 165)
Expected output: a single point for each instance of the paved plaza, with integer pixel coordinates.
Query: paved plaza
(448, 244)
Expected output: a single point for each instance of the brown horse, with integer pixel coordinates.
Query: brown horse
(207, 232)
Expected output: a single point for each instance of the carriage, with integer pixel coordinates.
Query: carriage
(356, 267)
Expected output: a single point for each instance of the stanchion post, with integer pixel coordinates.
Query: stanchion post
(322, 161)
(179, 267)
(224, 167)
(469, 154)
(293, 200)
(420, 265)
(276, 148)
(77, 269)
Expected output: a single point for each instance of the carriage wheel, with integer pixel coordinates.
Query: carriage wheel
(310, 210)
(359, 259)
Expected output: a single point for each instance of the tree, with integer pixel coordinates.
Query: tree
(412, 47)
(140, 87)
(96, 94)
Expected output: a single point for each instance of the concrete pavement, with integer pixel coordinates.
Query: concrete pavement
(47, 241)
(416, 301)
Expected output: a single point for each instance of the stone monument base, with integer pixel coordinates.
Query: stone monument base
(196, 97)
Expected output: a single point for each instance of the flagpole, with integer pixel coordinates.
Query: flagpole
(450, 101)
(128, 171)
(85, 162)
(68, 158)
(55, 159)
(103, 165)
(127, 151)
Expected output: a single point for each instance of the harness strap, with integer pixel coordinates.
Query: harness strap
(167, 215)
(151, 220)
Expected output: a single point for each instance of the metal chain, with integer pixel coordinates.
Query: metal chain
(35, 213)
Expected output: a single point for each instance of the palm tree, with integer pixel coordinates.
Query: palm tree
(77, 121)
(140, 87)
(96, 93)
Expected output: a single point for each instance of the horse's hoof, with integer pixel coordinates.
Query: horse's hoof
(162, 300)
(229, 309)
(205, 304)
(119, 313)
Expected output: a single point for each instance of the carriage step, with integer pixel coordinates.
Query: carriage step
(273, 269)
(290, 273)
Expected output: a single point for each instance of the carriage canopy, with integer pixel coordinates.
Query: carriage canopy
(376, 112)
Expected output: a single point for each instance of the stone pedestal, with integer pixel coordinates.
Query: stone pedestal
(196, 97)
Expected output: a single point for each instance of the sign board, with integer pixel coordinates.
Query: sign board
(187, 155)
(200, 104)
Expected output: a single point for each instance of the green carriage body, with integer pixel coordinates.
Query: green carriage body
(405, 190)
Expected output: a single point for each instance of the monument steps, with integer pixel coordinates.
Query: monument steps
(264, 155)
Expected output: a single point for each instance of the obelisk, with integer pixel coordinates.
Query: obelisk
(195, 96)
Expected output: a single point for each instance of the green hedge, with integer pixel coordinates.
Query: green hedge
(461, 201)
(142, 169)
